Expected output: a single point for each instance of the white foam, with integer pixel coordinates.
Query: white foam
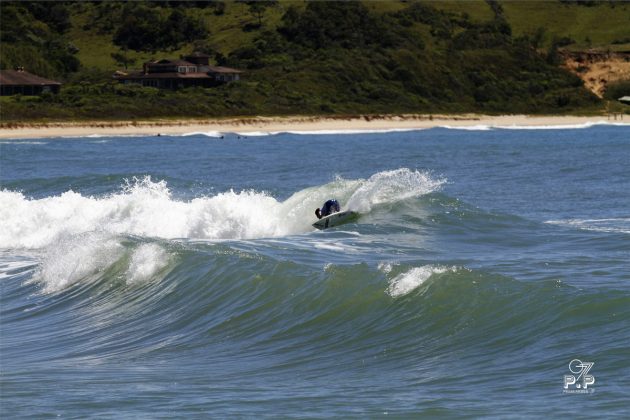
(479, 127)
(485, 127)
(75, 258)
(334, 247)
(98, 136)
(385, 267)
(255, 133)
(18, 141)
(348, 131)
(215, 134)
(145, 208)
(588, 124)
(614, 225)
(307, 132)
(412, 279)
(146, 261)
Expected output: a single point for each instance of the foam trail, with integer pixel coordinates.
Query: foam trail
(620, 224)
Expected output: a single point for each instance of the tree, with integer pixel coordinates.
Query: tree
(257, 8)
(122, 58)
(144, 29)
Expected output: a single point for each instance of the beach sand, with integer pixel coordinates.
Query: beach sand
(258, 125)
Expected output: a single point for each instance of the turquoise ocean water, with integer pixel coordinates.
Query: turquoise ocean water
(178, 277)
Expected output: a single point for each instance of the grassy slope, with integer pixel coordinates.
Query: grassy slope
(226, 34)
(603, 24)
(525, 17)
(478, 10)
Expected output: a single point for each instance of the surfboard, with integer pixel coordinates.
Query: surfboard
(336, 219)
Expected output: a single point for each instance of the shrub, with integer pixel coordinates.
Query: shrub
(618, 89)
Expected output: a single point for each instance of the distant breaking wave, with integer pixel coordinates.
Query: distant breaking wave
(245, 134)
(476, 127)
(486, 127)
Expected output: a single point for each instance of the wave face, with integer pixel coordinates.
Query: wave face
(482, 264)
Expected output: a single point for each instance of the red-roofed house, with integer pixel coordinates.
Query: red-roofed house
(193, 70)
(13, 82)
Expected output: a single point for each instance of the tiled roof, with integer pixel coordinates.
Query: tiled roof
(171, 75)
(171, 63)
(219, 69)
(14, 77)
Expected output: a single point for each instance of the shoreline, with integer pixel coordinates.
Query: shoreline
(303, 124)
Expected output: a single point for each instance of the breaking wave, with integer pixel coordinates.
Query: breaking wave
(146, 208)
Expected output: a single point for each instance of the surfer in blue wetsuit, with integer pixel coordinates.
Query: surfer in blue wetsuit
(329, 207)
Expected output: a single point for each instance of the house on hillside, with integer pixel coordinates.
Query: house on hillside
(192, 70)
(19, 81)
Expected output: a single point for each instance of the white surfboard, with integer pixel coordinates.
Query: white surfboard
(336, 219)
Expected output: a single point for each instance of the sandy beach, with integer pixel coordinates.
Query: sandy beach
(257, 125)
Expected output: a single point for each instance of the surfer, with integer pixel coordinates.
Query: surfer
(329, 207)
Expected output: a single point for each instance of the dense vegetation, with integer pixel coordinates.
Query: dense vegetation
(300, 57)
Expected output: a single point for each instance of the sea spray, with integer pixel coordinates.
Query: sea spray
(146, 261)
(77, 258)
(146, 208)
(392, 186)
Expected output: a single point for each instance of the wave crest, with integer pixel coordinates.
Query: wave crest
(146, 208)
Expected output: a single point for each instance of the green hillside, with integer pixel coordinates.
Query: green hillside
(305, 57)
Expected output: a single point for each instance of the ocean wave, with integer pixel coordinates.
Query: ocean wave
(588, 124)
(478, 127)
(145, 208)
(22, 142)
(488, 127)
(298, 132)
(326, 132)
(214, 134)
